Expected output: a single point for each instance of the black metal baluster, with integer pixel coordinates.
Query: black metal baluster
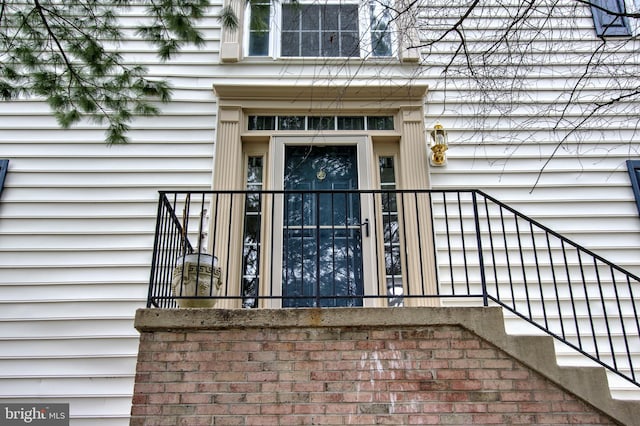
(535, 257)
(404, 234)
(448, 232)
(483, 280)
(570, 287)
(522, 264)
(624, 330)
(555, 285)
(493, 249)
(635, 315)
(586, 297)
(604, 313)
(170, 244)
(433, 241)
(507, 258)
(464, 246)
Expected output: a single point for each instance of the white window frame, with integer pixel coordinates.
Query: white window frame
(364, 29)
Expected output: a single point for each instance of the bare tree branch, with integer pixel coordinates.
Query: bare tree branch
(455, 28)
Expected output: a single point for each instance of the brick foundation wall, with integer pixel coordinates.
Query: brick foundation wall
(423, 375)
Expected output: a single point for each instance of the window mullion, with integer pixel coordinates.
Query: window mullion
(364, 27)
(276, 34)
(369, 17)
(300, 33)
(320, 34)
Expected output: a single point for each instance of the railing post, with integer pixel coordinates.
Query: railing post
(476, 219)
(154, 258)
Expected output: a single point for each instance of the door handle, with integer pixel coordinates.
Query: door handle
(365, 225)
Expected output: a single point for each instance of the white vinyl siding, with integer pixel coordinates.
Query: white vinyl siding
(77, 221)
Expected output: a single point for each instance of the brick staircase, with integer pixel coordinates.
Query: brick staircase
(453, 365)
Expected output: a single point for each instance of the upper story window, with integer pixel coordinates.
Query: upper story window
(608, 18)
(332, 29)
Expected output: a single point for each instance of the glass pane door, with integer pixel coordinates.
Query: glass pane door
(322, 241)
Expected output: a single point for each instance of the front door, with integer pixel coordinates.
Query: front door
(322, 227)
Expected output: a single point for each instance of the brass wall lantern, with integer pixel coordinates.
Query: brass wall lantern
(439, 145)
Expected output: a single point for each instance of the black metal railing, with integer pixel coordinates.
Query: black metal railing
(395, 248)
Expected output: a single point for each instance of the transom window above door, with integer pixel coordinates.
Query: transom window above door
(332, 29)
(301, 122)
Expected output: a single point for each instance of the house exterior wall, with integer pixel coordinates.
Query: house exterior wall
(77, 217)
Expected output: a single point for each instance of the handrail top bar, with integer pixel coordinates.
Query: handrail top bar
(314, 191)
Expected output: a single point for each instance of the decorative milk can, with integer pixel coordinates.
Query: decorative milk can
(202, 267)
